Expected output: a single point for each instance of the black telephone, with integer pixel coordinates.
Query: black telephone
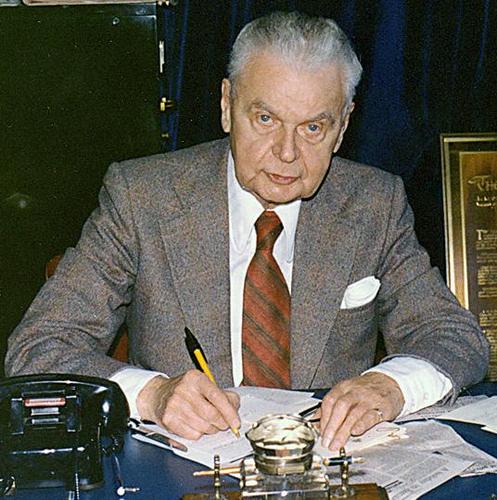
(54, 429)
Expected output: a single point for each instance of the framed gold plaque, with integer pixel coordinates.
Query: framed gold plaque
(469, 168)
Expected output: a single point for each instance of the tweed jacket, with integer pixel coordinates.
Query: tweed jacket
(155, 254)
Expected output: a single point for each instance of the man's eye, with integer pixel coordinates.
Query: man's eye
(265, 118)
(314, 128)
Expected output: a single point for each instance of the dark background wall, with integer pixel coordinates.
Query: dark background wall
(429, 68)
(80, 88)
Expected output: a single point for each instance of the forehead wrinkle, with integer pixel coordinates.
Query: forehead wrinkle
(258, 103)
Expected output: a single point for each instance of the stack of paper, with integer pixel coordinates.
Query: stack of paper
(255, 403)
(433, 454)
(482, 413)
(437, 410)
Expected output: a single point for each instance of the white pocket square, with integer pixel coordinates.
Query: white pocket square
(360, 293)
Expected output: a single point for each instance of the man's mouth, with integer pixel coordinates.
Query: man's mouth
(282, 179)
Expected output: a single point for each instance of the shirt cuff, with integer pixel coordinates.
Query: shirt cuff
(420, 382)
(132, 381)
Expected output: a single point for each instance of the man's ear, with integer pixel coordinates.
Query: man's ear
(226, 105)
(345, 124)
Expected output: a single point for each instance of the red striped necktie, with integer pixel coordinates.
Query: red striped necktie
(266, 312)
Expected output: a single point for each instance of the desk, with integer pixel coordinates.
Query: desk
(161, 475)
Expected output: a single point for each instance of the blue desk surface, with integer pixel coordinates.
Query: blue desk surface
(162, 475)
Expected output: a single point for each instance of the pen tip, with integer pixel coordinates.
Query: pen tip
(236, 432)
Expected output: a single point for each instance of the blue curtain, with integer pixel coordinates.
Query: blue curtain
(429, 67)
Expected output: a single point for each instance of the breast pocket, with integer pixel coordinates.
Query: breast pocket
(357, 327)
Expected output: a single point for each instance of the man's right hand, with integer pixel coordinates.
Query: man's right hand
(189, 405)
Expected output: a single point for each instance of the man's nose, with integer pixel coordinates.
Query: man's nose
(285, 146)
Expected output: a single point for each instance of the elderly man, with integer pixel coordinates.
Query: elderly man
(285, 261)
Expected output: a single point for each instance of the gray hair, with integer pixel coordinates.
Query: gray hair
(311, 42)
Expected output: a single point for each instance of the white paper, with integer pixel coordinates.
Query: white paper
(406, 475)
(482, 412)
(255, 403)
(441, 438)
(436, 411)
(381, 433)
(410, 468)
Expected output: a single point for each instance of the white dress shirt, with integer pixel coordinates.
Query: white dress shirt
(421, 384)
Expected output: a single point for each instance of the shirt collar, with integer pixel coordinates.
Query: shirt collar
(244, 210)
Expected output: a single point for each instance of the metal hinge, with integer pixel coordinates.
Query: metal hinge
(166, 103)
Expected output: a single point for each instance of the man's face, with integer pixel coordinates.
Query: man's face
(285, 123)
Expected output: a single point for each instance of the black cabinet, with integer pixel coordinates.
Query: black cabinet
(79, 88)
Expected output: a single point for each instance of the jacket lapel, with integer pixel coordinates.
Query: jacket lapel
(324, 252)
(200, 268)
(197, 247)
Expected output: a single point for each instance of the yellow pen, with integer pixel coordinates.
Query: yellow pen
(198, 357)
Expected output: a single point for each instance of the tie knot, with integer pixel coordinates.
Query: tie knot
(268, 227)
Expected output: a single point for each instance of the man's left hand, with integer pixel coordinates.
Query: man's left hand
(355, 405)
